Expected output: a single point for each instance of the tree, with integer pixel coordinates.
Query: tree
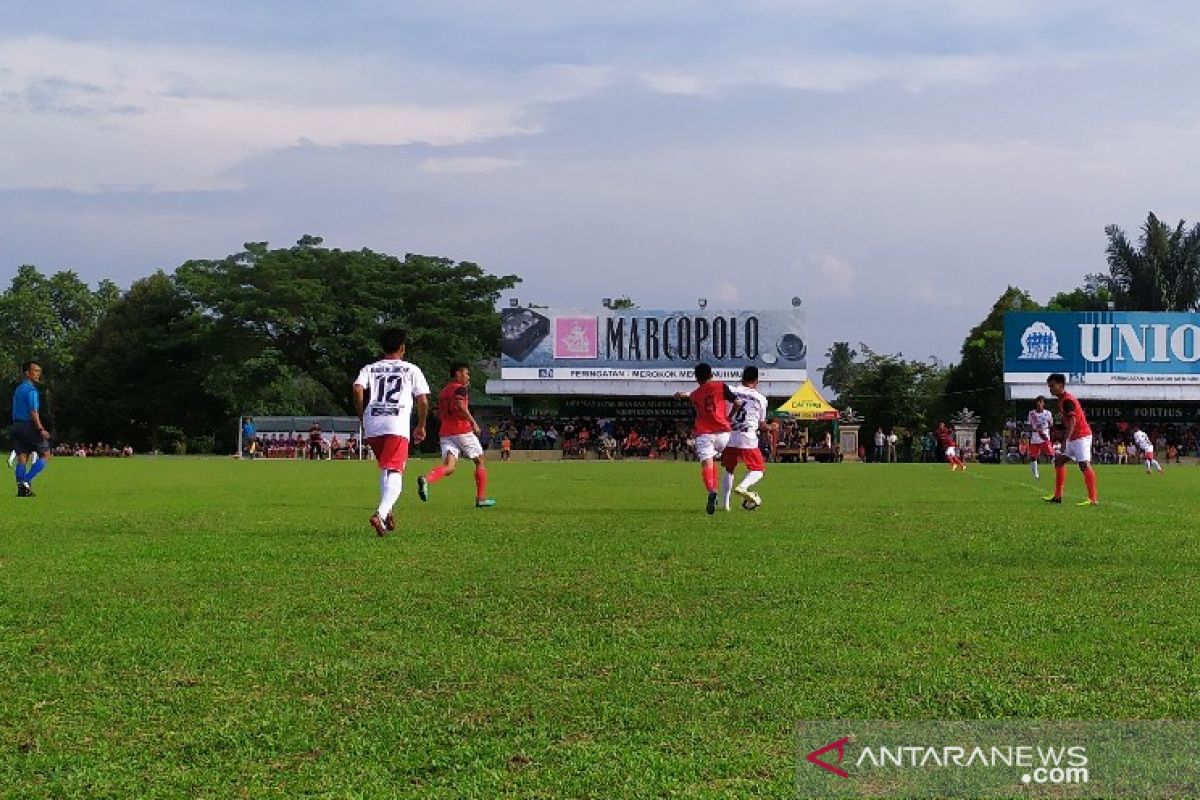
(622, 303)
(889, 390)
(317, 311)
(836, 374)
(977, 380)
(144, 370)
(1090, 297)
(46, 318)
(1161, 274)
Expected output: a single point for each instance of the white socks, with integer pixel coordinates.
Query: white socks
(391, 483)
(750, 479)
(727, 487)
(1033, 465)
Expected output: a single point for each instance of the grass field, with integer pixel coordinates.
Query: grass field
(209, 628)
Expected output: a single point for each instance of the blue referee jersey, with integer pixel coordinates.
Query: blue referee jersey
(25, 401)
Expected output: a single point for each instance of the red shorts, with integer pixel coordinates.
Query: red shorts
(1040, 449)
(390, 451)
(752, 457)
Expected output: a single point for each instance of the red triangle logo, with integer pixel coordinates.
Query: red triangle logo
(840, 747)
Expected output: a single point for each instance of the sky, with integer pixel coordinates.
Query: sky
(894, 164)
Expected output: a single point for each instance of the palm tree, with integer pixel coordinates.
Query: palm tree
(1161, 274)
(837, 373)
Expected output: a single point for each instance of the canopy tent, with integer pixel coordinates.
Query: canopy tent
(807, 403)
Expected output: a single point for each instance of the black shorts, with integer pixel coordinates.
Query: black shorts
(27, 439)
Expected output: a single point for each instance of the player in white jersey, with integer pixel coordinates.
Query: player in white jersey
(1039, 421)
(749, 416)
(384, 394)
(1142, 442)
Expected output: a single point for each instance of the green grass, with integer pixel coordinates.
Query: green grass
(209, 628)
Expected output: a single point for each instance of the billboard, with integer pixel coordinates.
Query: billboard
(1130, 355)
(633, 345)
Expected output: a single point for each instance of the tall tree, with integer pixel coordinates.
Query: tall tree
(144, 370)
(837, 373)
(890, 390)
(1161, 274)
(320, 310)
(977, 380)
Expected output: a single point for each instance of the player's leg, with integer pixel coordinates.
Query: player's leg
(756, 467)
(1035, 451)
(391, 453)
(1060, 477)
(729, 460)
(473, 450)
(1089, 480)
(450, 453)
(37, 463)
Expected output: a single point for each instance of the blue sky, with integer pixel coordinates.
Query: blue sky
(896, 164)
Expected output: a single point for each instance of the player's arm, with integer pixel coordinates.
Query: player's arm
(359, 400)
(36, 419)
(422, 413)
(1069, 421)
(730, 397)
(461, 402)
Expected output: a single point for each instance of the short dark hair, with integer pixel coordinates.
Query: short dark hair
(392, 339)
(456, 366)
(1039, 399)
(703, 372)
(28, 365)
(1057, 377)
(750, 374)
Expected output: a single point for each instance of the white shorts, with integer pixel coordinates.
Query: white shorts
(1079, 450)
(710, 445)
(463, 444)
(951, 452)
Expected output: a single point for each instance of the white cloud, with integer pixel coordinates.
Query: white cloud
(467, 166)
(828, 276)
(89, 117)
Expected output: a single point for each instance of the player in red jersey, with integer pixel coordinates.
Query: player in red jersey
(459, 433)
(945, 438)
(712, 426)
(1078, 438)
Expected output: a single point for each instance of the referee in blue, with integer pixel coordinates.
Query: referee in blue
(29, 435)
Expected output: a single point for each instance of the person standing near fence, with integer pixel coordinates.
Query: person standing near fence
(384, 394)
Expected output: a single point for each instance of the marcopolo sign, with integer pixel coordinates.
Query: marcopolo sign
(1104, 354)
(654, 346)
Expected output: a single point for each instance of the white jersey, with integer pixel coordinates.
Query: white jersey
(1142, 441)
(745, 421)
(392, 386)
(1039, 423)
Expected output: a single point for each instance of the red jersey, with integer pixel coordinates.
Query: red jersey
(1068, 406)
(945, 437)
(454, 420)
(709, 400)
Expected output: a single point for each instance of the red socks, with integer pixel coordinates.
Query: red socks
(708, 472)
(1089, 479)
(480, 483)
(1060, 480)
(436, 474)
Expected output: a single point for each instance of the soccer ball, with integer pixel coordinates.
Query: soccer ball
(751, 502)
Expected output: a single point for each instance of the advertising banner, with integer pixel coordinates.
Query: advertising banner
(644, 345)
(1104, 354)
